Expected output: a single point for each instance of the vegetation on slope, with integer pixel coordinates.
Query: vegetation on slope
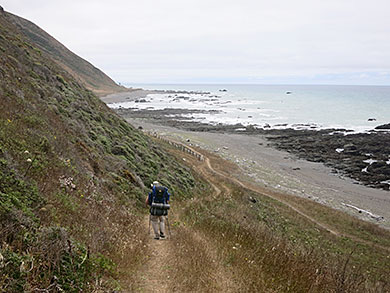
(83, 71)
(72, 176)
(268, 247)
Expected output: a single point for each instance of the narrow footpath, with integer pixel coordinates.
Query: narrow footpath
(166, 260)
(155, 274)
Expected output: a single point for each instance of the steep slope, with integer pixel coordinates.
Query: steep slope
(83, 71)
(72, 176)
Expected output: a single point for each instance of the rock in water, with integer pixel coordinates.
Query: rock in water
(382, 169)
(384, 126)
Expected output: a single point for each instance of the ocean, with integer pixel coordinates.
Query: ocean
(357, 108)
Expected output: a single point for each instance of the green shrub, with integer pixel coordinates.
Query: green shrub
(15, 193)
(12, 279)
(61, 79)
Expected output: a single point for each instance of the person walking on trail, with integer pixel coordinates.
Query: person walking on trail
(158, 201)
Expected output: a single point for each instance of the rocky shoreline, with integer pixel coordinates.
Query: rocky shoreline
(364, 157)
(136, 94)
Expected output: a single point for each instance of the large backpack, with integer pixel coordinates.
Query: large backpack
(159, 205)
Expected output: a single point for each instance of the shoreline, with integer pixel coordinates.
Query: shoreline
(242, 108)
(138, 93)
(364, 157)
(263, 164)
(280, 171)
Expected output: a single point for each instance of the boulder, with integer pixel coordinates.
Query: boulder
(350, 149)
(380, 168)
(382, 186)
(141, 101)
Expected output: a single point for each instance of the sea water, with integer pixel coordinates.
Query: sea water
(358, 108)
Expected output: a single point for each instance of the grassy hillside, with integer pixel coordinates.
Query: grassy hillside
(72, 176)
(83, 71)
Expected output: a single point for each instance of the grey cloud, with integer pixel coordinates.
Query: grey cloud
(174, 39)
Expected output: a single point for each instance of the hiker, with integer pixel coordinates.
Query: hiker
(158, 200)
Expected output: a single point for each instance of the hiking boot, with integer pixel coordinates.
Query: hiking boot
(156, 238)
(162, 236)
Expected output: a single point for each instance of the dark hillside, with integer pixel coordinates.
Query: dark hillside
(83, 71)
(72, 176)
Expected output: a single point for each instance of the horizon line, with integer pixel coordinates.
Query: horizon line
(238, 83)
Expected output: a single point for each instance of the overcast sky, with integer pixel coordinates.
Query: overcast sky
(223, 41)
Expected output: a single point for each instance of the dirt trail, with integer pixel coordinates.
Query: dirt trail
(325, 227)
(155, 274)
(155, 277)
(158, 272)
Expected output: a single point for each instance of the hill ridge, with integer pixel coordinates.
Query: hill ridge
(82, 70)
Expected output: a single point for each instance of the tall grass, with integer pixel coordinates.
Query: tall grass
(267, 247)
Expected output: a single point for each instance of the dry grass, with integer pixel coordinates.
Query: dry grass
(192, 267)
(263, 259)
(267, 247)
